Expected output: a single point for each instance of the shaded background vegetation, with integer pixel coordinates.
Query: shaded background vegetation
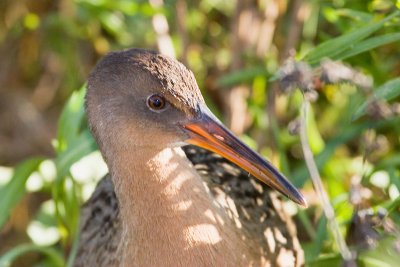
(239, 52)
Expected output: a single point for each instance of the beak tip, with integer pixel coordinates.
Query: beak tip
(303, 202)
(298, 198)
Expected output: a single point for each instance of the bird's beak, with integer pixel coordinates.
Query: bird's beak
(207, 131)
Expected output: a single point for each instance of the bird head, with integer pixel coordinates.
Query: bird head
(138, 98)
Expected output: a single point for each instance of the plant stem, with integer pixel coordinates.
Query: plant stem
(316, 179)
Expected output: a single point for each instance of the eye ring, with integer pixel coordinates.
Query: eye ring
(156, 102)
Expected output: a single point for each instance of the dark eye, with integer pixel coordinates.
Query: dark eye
(156, 102)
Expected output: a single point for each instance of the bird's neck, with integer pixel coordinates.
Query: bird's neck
(169, 215)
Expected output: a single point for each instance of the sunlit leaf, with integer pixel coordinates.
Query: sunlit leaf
(79, 148)
(13, 191)
(70, 122)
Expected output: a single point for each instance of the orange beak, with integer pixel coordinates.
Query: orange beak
(207, 132)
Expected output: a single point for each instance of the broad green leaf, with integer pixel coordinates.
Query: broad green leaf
(369, 44)
(79, 148)
(385, 92)
(13, 191)
(55, 256)
(70, 122)
(339, 44)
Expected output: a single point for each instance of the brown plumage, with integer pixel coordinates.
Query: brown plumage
(154, 208)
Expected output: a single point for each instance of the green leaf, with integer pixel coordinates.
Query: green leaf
(54, 255)
(13, 191)
(339, 44)
(79, 148)
(385, 92)
(369, 44)
(70, 122)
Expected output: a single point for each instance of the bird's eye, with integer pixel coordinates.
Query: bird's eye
(156, 102)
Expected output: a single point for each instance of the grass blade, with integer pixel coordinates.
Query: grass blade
(368, 45)
(335, 46)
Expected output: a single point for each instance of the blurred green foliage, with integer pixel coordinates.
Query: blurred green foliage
(354, 131)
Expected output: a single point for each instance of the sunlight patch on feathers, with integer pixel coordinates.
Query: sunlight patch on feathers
(203, 233)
